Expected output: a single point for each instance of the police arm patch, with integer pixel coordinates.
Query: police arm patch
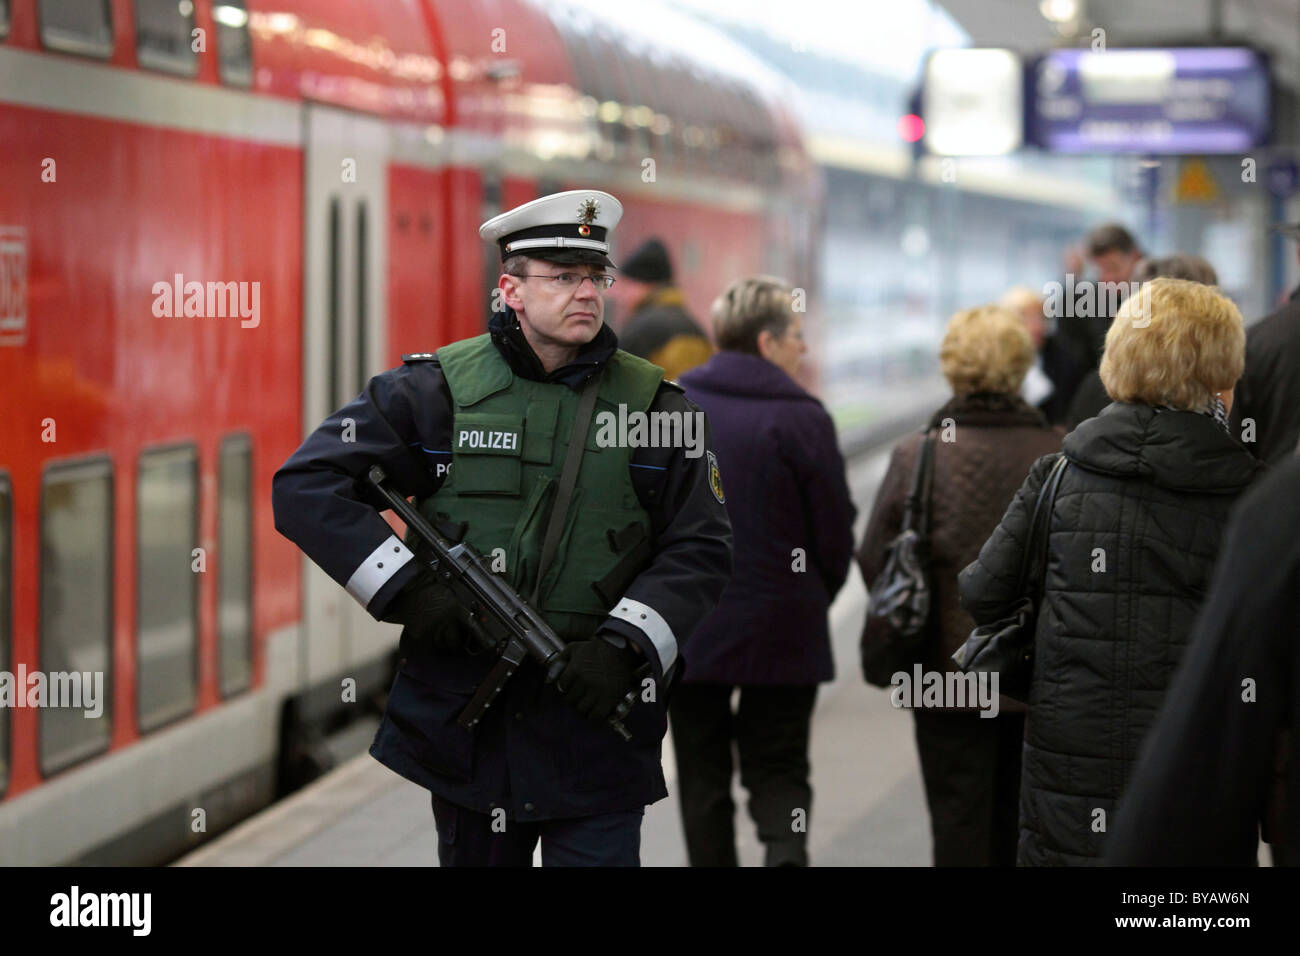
(715, 479)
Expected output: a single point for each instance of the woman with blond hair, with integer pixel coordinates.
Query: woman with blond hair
(1090, 397)
(1137, 521)
(983, 441)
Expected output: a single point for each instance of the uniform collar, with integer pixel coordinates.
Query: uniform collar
(509, 339)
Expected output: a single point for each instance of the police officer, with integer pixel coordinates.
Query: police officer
(479, 434)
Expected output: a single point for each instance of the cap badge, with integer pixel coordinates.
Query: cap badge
(587, 212)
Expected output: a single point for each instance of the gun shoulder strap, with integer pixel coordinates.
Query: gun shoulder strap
(568, 479)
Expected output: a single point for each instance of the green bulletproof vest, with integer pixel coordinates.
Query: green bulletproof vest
(509, 440)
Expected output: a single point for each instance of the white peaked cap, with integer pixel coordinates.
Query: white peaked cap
(568, 227)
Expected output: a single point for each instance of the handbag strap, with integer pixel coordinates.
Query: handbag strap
(568, 480)
(916, 511)
(1034, 564)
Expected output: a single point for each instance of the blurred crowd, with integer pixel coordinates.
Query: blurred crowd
(1162, 675)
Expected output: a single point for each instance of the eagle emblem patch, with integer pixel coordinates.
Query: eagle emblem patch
(588, 210)
(715, 479)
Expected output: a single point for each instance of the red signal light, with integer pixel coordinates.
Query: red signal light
(911, 128)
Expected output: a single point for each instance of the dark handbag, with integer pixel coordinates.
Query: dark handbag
(1007, 645)
(901, 594)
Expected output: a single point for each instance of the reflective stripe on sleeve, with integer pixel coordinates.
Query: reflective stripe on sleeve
(652, 625)
(373, 573)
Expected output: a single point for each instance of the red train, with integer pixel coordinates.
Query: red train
(217, 219)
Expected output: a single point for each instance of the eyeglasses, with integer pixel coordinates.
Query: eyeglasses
(572, 280)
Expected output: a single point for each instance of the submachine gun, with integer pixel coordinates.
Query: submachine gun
(506, 624)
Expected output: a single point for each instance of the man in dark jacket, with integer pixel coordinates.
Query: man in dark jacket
(1217, 763)
(659, 329)
(1114, 254)
(792, 516)
(1133, 538)
(1266, 416)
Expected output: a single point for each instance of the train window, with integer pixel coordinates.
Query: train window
(4, 32)
(489, 207)
(334, 302)
(575, 30)
(6, 619)
(234, 51)
(611, 90)
(78, 26)
(641, 114)
(163, 37)
(76, 610)
(235, 564)
(363, 292)
(167, 584)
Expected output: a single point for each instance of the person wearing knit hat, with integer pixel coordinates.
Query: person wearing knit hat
(649, 264)
(658, 327)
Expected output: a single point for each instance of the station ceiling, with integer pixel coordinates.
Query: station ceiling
(1270, 25)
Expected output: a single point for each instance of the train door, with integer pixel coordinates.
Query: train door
(345, 259)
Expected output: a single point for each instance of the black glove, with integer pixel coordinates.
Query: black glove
(596, 676)
(430, 613)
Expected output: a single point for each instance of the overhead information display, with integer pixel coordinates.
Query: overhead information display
(1170, 101)
(973, 102)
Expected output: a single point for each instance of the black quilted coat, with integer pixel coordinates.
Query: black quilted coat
(1138, 521)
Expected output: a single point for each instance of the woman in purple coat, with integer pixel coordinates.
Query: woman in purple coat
(792, 518)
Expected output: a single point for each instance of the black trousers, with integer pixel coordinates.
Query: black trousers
(469, 838)
(770, 728)
(971, 767)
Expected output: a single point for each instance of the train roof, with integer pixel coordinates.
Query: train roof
(555, 80)
(562, 79)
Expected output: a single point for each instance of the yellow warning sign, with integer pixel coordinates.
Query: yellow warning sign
(1195, 183)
